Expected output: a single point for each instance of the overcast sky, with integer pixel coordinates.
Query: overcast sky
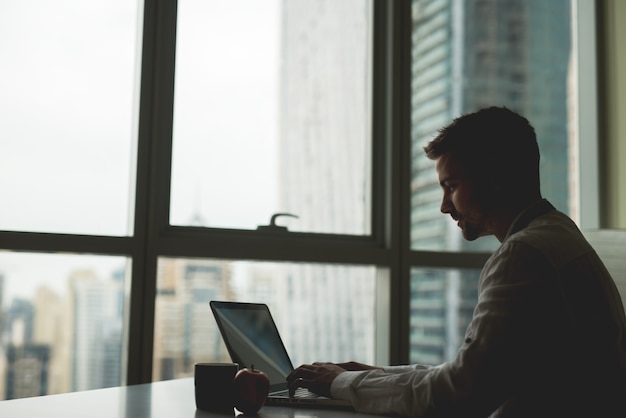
(67, 102)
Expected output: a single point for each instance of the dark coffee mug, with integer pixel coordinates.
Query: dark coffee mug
(214, 386)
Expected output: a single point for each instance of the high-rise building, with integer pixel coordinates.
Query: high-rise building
(19, 322)
(97, 325)
(1, 294)
(53, 328)
(468, 55)
(27, 370)
(184, 331)
(325, 172)
(26, 363)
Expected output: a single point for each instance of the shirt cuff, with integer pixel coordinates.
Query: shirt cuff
(340, 387)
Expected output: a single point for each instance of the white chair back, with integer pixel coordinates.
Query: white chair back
(610, 244)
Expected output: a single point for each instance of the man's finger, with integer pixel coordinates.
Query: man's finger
(302, 371)
(297, 383)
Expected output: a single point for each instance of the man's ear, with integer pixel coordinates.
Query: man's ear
(494, 183)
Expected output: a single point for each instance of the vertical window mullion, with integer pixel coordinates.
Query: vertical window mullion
(153, 179)
(397, 102)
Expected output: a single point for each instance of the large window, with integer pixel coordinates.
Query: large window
(140, 158)
(274, 119)
(62, 322)
(321, 310)
(68, 89)
(68, 134)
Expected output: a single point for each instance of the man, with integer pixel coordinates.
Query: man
(548, 335)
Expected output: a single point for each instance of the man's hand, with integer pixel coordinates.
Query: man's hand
(354, 366)
(316, 377)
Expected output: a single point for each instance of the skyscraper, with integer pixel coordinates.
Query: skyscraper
(1, 294)
(97, 324)
(185, 332)
(27, 370)
(26, 363)
(325, 172)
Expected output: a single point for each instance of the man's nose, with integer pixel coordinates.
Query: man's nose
(446, 206)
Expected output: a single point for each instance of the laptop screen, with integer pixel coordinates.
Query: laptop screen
(252, 338)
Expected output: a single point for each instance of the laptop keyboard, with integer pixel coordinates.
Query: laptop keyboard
(300, 393)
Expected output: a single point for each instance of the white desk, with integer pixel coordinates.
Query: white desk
(168, 399)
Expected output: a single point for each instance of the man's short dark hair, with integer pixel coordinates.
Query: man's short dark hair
(491, 142)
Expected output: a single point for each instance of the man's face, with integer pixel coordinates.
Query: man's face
(464, 198)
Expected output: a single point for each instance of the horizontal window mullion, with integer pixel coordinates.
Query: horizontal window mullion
(270, 237)
(451, 260)
(264, 247)
(48, 242)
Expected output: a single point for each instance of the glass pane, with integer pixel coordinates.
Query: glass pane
(323, 312)
(442, 305)
(66, 114)
(272, 114)
(61, 323)
(519, 56)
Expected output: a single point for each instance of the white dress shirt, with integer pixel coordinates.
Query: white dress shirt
(548, 338)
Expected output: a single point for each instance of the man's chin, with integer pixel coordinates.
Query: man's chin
(471, 237)
(470, 234)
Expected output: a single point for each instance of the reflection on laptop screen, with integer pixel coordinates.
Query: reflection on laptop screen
(252, 338)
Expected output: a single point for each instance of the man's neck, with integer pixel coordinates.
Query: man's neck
(505, 216)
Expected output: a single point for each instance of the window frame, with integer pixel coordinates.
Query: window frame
(154, 237)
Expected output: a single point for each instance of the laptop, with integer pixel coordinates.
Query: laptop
(252, 339)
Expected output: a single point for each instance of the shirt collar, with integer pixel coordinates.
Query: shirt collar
(524, 218)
